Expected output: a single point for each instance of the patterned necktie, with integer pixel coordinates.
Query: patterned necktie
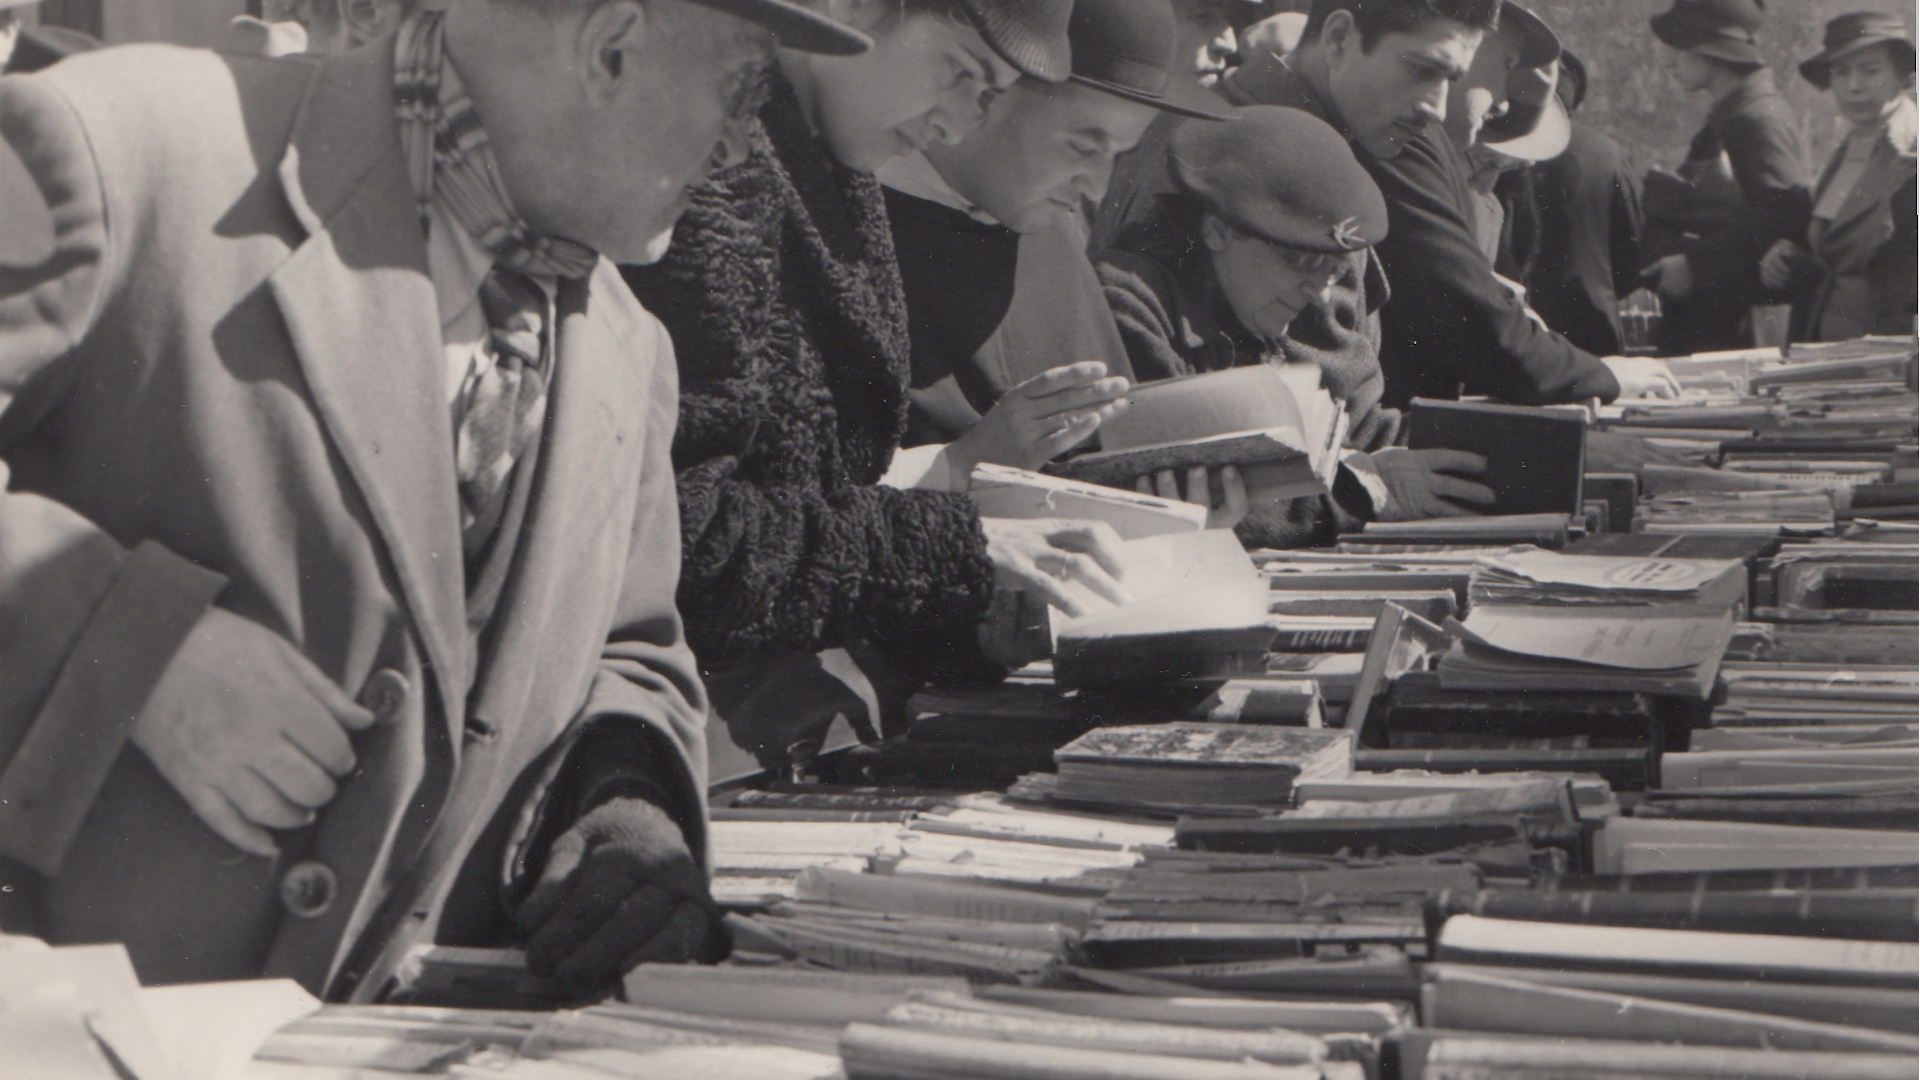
(502, 404)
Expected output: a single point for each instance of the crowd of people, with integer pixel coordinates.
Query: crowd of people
(708, 309)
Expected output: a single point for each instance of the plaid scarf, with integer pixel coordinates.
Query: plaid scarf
(450, 161)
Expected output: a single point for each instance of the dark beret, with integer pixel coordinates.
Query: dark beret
(1284, 175)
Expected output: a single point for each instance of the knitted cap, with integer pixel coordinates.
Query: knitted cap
(1284, 175)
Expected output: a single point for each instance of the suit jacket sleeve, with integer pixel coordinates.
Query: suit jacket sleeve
(1769, 164)
(87, 623)
(1449, 320)
(1893, 270)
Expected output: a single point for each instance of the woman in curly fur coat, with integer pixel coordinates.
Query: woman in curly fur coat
(783, 299)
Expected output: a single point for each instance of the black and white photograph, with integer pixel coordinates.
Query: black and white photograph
(959, 540)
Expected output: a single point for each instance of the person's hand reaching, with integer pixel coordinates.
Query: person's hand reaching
(1040, 419)
(619, 888)
(1225, 514)
(1430, 483)
(1642, 376)
(1044, 556)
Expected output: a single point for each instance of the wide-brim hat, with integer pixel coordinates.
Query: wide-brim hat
(794, 27)
(1539, 45)
(1127, 48)
(1030, 34)
(1550, 130)
(1848, 34)
(1283, 175)
(1720, 29)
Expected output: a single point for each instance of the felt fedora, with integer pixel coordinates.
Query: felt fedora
(1030, 34)
(1127, 48)
(1848, 34)
(796, 27)
(1283, 175)
(1720, 29)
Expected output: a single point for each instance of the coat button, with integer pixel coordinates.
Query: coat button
(385, 694)
(308, 889)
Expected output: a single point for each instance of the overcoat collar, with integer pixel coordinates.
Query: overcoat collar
(1884, 173)
(360, 309)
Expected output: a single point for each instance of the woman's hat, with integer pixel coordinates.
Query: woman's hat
(1720, 29)
(1283, 175)
(1850, 33)
(1127, 48)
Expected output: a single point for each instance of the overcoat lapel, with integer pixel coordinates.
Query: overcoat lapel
(361, 313)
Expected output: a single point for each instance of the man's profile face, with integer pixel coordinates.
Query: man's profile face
(620, 171)
(1205, 37)
(1042, 150)
(1397, 89)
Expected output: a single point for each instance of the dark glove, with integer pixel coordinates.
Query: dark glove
(619, 888)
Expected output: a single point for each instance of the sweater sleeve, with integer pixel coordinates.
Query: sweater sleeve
(1139, 291)
(1450, 323)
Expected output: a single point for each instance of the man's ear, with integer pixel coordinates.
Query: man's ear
(609, 46)
(1339, 36)
(1214, 233)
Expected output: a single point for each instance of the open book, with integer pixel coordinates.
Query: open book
(1272, 421)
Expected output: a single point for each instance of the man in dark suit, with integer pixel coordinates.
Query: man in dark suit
(1381, 70)
(1587, 202)
(338, 541)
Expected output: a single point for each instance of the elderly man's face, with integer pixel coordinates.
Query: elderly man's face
(1266, 284)
(1042, 150)
(926, 82)
(610, 155)
(1397, 89)
(1482, 95)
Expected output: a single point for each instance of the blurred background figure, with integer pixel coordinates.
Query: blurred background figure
(25, 48)
(1587, 205)
(1743, 185)
(1853, 272)
(1275, 34)
(315, 27)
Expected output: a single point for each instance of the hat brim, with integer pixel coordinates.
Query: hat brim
(1817, 70)
(1539, 45)
(795, 27)
(1547, 140)
(1183, 98)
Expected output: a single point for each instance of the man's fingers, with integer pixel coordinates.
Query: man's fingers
(684, 938)
(322, 740)
(1143, 484)
(1466, 491)
(597, 960)
(1460, 462)
(352, 715)
(296, 776)
(1198, 489)
(261, 803)
(1166, 486)
(1234, 506)
(1094, 538)
(1064, 377)
(594, 893)
(218, 813)
(1069, 435)
(1075, 398)
(1039, 584)
(1087, 571)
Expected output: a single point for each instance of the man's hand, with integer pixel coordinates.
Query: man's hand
(1041, 556)
(248, 731)
(1040, 419)
(1776, 266)
(1228, 512)
(1642, 376)
(620, 888)
(1430, 483)
(1671, 277)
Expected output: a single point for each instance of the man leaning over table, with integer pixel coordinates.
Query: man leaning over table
(338, 545)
